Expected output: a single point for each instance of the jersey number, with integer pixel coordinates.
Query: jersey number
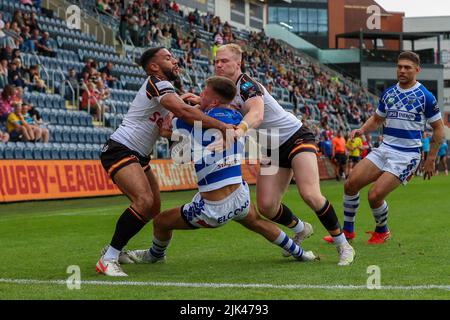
(156, 117)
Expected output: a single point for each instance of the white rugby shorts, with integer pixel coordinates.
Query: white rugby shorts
(212, 214)
(401, 164)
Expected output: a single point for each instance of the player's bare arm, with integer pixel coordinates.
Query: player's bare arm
(372, 124)
(436, 140)
(176, 105)
(254, 115)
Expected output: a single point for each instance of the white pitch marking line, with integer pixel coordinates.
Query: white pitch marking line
(222, 285)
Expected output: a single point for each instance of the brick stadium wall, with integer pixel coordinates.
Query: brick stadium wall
(23, 180)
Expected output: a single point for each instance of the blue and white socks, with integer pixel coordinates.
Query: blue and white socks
(351, 205)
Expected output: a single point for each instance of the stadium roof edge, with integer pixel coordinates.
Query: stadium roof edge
(387, 35)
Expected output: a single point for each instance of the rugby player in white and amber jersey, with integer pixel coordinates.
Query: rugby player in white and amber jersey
(126, 154)
(295, 154)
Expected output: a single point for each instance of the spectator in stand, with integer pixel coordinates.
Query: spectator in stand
(6, 53)
(27, 44)
(109, 77)
(17, 75)
(90, 101)
(33, 23)
(35, 115)
(44, 46)
(175, 7)
(6, 100)
(196, 49)
(72, 78)
(40, 134)
(18, 95)
(4, 136)
(36, 83)
(3, 73)
(101, 91)
(17, 127)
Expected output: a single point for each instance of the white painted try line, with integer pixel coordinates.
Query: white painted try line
(223, 285)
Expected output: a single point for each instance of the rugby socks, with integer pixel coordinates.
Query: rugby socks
(111, 254)
(351, 205)
(381, 215)
(329, 220)
(128, 225)
(286, 218)
(340, 239)
(158, 249)
(288, 244)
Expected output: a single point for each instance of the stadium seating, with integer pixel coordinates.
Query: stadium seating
(72, 129)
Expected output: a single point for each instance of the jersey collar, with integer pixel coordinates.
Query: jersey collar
(414, 87)
(239, 78)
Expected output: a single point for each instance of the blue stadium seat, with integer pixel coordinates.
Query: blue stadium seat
(66, 134)
(97, 136)
(64, 151)
(76, 121)
(38, 151)
(8, 150)
(67, 117)
(18, 151)
(88, 154)
(72, 151)
(46, 151)
(2, 150)
(80, 151)
(89, 135)
(81, 134)
(74, 134)
(28, 150)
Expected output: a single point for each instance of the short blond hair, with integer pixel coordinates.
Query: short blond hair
(234, 48)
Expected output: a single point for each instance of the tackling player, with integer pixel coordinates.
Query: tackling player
(223, 194)
(126, 155)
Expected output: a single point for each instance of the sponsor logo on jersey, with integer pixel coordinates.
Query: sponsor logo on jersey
(247, 85)
(401, 115)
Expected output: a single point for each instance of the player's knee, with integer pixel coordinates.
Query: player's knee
(144, 204)
(312, 198)
(350, 187)
(268, 208)
(374, 196)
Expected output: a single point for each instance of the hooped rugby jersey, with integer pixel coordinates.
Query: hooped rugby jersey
(139, 129)
(214, 171)
(277, 121)
(406, 113)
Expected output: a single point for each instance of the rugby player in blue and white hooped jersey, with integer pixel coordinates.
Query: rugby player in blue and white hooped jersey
(223, 194)
(404, 109)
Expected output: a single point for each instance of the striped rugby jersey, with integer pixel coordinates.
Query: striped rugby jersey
(214, 171)
(406, 113)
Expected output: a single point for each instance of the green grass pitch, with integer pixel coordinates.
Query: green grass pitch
(39, 240)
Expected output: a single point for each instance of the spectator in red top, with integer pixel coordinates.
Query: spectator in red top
(6, 102)
(175, 7)
(322, 105)
(91, 100)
